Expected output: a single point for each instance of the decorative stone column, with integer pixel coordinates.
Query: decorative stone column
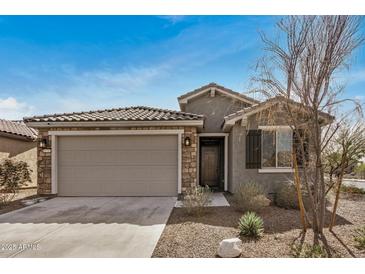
(189, 159)
(44, 165)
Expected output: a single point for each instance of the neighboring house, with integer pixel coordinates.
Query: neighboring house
(218, 139)
(18, 142)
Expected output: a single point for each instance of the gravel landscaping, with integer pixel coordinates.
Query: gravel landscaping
(189, 236)
(23, 194)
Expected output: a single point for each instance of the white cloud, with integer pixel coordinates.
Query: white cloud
(93, 89)
(12, 109)
(126, 81)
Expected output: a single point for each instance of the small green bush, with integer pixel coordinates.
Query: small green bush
(251, 225)
(6, 198)
(13, 175)
(352, 189)
(196, 199)
(250, 197)
(359, 238)
(309, 251)
(286, 196)
(360, 171)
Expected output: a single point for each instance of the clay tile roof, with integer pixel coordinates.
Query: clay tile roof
(138, 113)
(219, 87)
(17, 128)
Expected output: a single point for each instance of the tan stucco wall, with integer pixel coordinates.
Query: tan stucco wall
(237, 155)
(214, 109)
(22, 151)
(267, 118)
(237, 165)
(189, 155)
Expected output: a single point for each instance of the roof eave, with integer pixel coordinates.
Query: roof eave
(50, 124)
(230, 121)
(17, 136)
(184, 99)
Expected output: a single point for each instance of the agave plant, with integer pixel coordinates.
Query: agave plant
(251, 225)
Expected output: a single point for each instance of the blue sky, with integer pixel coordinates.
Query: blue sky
(52, 64)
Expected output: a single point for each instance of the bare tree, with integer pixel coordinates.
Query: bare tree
(344, 151)
(300, 70)
(349, 144)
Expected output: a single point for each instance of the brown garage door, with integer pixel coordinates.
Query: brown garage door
(117, 165)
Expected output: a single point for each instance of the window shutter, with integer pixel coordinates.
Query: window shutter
(296, 147)
(253, 149)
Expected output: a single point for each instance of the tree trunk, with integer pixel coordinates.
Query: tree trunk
(339, 183)
(322, 199)
(299, 191)
(331, 177)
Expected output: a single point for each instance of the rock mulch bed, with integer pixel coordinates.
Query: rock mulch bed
(23, 194)
(190, 236)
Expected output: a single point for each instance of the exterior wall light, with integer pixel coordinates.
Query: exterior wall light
(43, 143)
(187, 141)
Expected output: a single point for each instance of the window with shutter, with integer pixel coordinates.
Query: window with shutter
(268, 148)
(253, 149)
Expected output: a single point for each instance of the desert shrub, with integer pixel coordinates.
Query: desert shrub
(352, 189)
(251, 225)
(13, 175)
(286, 196)
(250, 197)
(308, 251)
(359, 238)
(196, 198)
(6, 198)
(360, 171)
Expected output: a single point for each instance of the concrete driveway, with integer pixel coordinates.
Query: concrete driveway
(85, 227)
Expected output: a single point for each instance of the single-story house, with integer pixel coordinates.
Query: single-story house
(216, 140)
(18, 142)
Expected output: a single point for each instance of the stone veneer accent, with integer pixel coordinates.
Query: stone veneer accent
(189, 156)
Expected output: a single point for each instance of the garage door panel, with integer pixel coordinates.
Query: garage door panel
(151, 188)
(117, 165)
(105, 158)
(127, 142)
(86, 173)
(130, 188)
(168, 171)
(89, 189)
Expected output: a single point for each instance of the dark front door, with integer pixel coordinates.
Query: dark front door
(210, 165)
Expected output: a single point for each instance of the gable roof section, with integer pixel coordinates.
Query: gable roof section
(183, 99)
(17, 130)
(231, 119)
(119, 115)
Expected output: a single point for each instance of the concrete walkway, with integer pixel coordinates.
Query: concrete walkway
(85, 227)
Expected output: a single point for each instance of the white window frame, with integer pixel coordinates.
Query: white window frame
(275, 169)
